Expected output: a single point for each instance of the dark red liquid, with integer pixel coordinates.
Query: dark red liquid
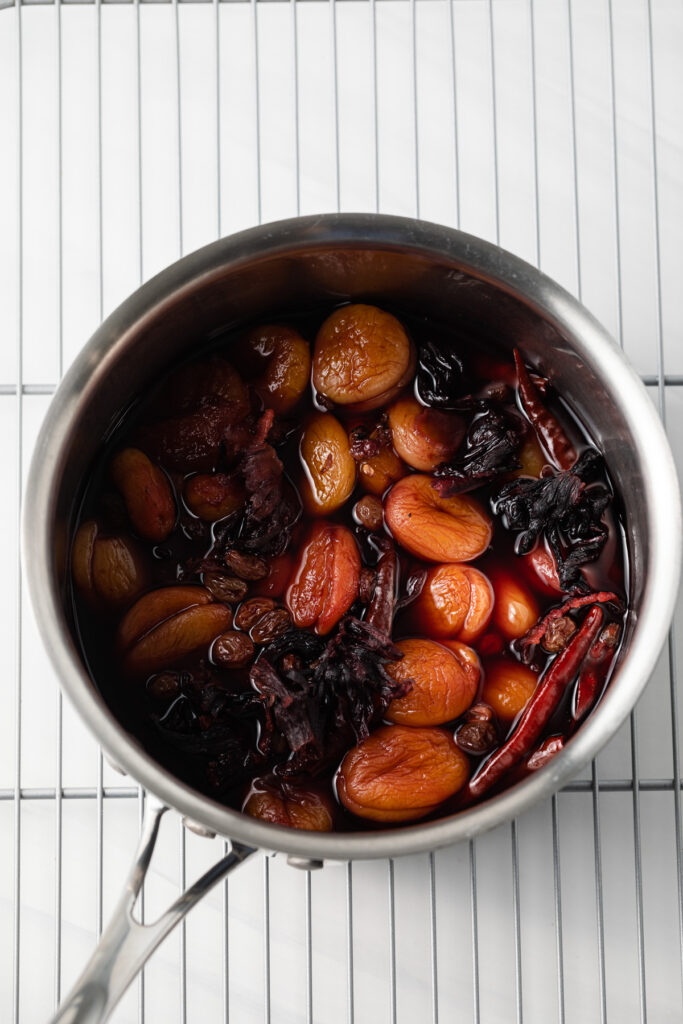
(146, 713)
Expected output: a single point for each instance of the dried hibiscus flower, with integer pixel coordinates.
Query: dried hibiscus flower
(318, 706)
(567, 508)
(440, 375)
(491, 447)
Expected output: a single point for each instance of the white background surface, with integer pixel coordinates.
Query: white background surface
(131, 133)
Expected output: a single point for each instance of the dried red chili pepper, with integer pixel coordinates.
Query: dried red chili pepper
(537, 632)
(548, 428)
(540, 708)
(381, 609)
(594, 670)
(544, 753)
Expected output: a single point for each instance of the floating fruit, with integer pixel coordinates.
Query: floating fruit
(362, 358)
(443, 685)
(455, 529)
(401, 773)
(325, 582)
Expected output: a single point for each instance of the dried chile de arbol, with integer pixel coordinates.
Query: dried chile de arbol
(550, 431)
(540, 707)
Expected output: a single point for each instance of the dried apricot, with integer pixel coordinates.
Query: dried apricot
(516, 609)
(542, 571)
(107, 569)
(381, 471)
(213, 496)
(442, 687)
(330, 471)
(213, 402)
(508, 687)
(325, 582)
(146, 492)
(468, 658)
(155, 607)
(281, 359)
(424, 437)
(437, 529)
(455, 601)
(293, 806)
(401, 773)
(166, 625)
(362, 358)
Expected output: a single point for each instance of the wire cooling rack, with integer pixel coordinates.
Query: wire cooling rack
(133, 132)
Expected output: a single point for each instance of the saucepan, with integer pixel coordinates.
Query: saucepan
(299, 265)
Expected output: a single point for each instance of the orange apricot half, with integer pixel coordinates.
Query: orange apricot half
(455, 529)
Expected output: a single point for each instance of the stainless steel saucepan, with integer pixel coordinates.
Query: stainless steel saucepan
(303, 264)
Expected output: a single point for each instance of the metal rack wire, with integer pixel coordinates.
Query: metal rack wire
(134, 131)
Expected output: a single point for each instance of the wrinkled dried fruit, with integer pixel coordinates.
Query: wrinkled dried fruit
(516, 609)
(508, 687)
(401, 773)
(232, 650)
(107, 569)
(155, 607)
(455, 601)
(225, 588)
(476, 737)
(479, 712)
(162, 628)
(558, 634)
(251, 611)
(271, 625)
(146, 492)
(381, 471)
(362, 358)
(424, 438)
(329, 469)
(247, 567)
(281, 360)
(292, 806)
(164, 686)
(213, 496)
(213, 402)
(469, 662)
(368, 512)
(442, 689)
(433, 528)
(325, 582)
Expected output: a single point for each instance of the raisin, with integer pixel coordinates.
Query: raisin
(225, 588)
(252, 610)
(233, 650)
(271, 625)
(247, 567)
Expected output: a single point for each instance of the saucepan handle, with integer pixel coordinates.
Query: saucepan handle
(126, 944)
